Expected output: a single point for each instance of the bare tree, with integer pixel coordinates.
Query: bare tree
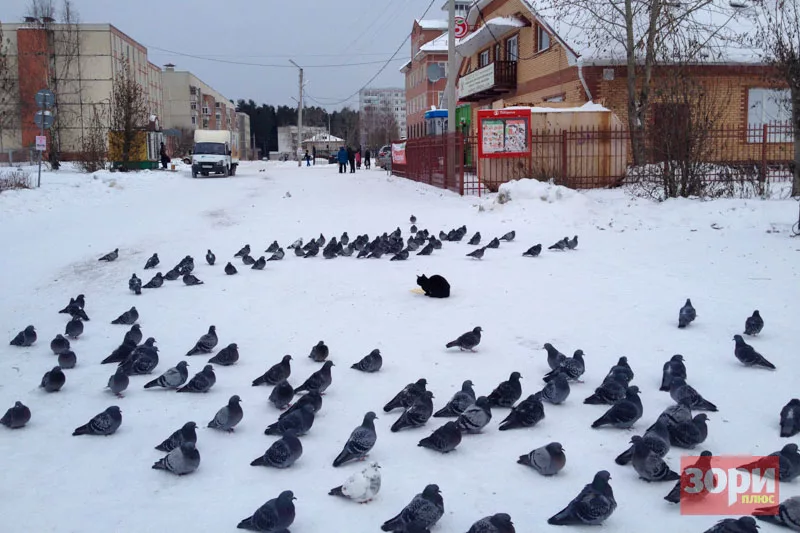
(184, 143)
(9, 96)
(379, 125)
(94, 153)
(129, 114)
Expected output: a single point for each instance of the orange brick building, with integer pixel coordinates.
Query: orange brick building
(428, 49)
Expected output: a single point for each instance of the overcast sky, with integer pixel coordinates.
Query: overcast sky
(312, 32)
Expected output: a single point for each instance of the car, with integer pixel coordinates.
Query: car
(384, 158)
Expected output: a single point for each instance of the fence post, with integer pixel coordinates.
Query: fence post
(564, 158)
(763, 172)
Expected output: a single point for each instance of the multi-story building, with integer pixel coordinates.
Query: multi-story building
(190, 103)
(375, 104)
(426, 73)
(288, 139)
(245, 143)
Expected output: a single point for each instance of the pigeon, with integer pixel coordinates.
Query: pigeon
(248, 260)
(53, 380)
(560, 245)
(681, 392)
(134, 335)
(156, 282)
(790, 418)
(299, 252)
(477, 254)
(554, 358)
(127, 318)
(372, 362)
(172, 275)
(111, 256)
(278, 255)
(426, 250)
(610, 391)
(425, 510)
(319, 381)
(689, 434)
(142, 361)
(687, 314)
(211, 258)
(533, 251)
(118, 382)
(312, 252)
(300, 421)
(787, 514)
(592, 506)
(276, 373)
(227, 417)
(314, 399)
(362, 486)
(272, 248)
(67, 360)
(25, 337)
(556, 391)
(105, 423)
(74, 328)
(181, 461)
(230, 270)
(74, 303)
(260, 263)
(17, 416)
(283, 453)
(788, 463)
(467, 341)
(622, 367)
(400, 256)
(754, 324)
(191, 279)
(443, 236)
(206, 343)
(281, 395)
(748, 356)
(497, 523)
(572, 367)
(186, 266)
(527, 413)
(703, 464)
(548, 460)
(744, 524)
(437, 244)
(77, 312)
(572, 243)
(121, 353)
(59, 344)
(417, 414)
(296, 244)
(656, 438)
(186, 433)
(494, 243)
(319, 352)
(275, 516)
(672, 369)
(649, 465)
(624, 413)
(227, 356)
(360, 441)
(412, 219)
(475, 240)
(675, 415)
(444, 439)
(152, 262)
(458, 403)
(508, 237)
(406, 397)
(172, 378)
(135, 284)
(475, 417)
(243, 252)
(507, 393)
(201, 382)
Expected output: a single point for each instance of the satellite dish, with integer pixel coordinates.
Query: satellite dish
(435, 72)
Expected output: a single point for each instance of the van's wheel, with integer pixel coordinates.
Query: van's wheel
(233, 170)
(226, 173)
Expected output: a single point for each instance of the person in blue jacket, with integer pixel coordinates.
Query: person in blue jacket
(342, 158)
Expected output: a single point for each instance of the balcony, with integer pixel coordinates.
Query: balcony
(491, 81)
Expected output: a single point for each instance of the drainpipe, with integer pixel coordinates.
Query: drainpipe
(583, 80)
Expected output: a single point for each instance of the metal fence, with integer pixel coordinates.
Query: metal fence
(426, 161)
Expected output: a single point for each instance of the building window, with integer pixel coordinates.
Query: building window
(194, 120)
(216, 104)
(441, 97)
(498, 52)
(205, 110)
(512, 48)
(770, 107)
(559, 98)
(483, 59)
(193, 105)
(542, 39)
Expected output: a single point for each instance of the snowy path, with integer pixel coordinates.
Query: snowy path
(619, 294)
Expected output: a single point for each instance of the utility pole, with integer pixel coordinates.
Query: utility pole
(451, 91)
(299, 117)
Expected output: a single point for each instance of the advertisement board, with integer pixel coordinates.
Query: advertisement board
(399, 153)
(504, 133)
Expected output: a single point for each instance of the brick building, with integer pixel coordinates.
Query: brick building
(428, 52)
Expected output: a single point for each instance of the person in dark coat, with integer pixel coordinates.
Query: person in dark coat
(367, 156)
(164, 156)
(307, 157)
(342, 158)
(351, 157)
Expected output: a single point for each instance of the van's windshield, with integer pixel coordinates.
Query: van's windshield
(209, 148)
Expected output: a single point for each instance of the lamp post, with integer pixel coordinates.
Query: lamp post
(299, 116)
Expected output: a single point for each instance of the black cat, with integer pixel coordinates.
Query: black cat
(435, 286)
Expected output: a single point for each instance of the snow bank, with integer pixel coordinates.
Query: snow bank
(531, 189)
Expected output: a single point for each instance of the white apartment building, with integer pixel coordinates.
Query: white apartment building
(376, 100)
(190, 103)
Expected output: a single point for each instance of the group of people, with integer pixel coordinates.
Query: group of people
(347, 155)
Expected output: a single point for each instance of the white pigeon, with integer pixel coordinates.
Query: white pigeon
(362, 486)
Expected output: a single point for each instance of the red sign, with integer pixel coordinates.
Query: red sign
(461, 27)
(399, 153)
(504, 133)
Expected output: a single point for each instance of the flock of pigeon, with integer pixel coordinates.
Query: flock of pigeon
(468, 413)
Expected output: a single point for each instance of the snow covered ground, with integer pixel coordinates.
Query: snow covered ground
(618, 294)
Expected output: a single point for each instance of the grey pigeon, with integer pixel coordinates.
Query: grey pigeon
(475, 417)
(260, 263)
(319, 381)
(172, 378)
(649, 465)
(477, 254)
(59, 344)
(362, 486)
(360, 441)
(656, 438)
(181, 461)
(610, 391)
(186, 266)
(412, 219)
(572, 243)
(25, 337)
(134, 334)
(507, 393)
(525, 414)
(497, 523)
(78, 312)
(272, 248)
(227, 417)
(135, 284)
(572, 367)
(296, 244)
(142, 361)
(790, 418)
(417, 414)
(560, 245)
(444, 439)
(425, 509)
(508, 237)
(276, 373)
(53, 380)
(17, 416)
(67, 360)
(173, 274)
(592, 506)
(202, 381)
(426, 250)
(494, 243)
(118, 382)
(299, 252)
(533, 251)
(548, 460)
(556, 391)
(127, 318)
(681, 392)
(372, 362)
(687, 314)
(248, 260)
(689, 434)
(227, 356)
(191, 279)
(121, 353)
(186, 433)
(156, 282)
(788, 463)
(243, 252)
(281, 395)
(74, 303)
(703, 464)
(407, 396)
(787, 514)
(622, 367)
(754, 324)
(400, 256)
(206, 343)
(748, 356)
(467, 341)
(624, 413)
(299, 421)
(278, 255)
(105, 423)
(744, 524)
(674, 368)
(554, 358)
(230, 270)
(314, 399)
(275, 516)
(211, 258)
(152, 262)
(111, 256)
(458, 403)
(282, 453)
(675, 415)
(475, 240)
(319, 352)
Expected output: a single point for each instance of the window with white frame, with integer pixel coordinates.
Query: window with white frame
(498, 52)
(559, 98)
(194, 120)
(193, 105)
(542, 39)
(483, 59)
(770, 107)
(512, 48)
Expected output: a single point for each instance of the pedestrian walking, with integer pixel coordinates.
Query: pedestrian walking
(342, 158)
(307, 157)
(351, 158)
(164, 156)
(358, 160)
(367, 161)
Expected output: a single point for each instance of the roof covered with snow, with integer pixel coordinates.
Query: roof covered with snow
(432, 24)
(488, 32)
(436, 46)
(405, 65)
(323, 138)
(588, 107)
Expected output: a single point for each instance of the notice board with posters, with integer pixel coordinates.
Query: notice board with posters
(399, 153)
(504, 133)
